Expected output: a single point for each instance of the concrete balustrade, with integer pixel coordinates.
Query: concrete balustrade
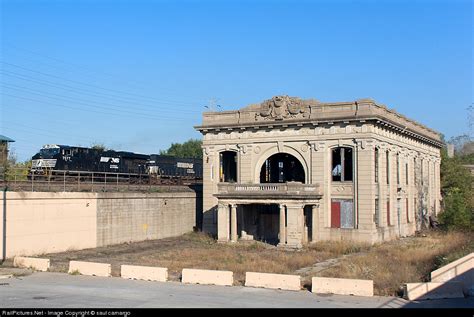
(274, 281)
(90, 268)
(34, 263)
(146, 273)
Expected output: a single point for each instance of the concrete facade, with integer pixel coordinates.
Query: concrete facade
(39, 223)
(390, 187)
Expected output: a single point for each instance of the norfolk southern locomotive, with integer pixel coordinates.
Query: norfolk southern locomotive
(59, 159)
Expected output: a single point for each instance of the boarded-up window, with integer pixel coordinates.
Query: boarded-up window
(342, 214)
(347, 214)
(335, 214)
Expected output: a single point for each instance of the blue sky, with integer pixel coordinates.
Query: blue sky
(136, 75)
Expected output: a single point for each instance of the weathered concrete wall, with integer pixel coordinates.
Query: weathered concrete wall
(137, 217)
(39, 223)
(49, 222)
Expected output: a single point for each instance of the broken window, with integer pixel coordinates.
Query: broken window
(281, 168)
(228, 167)
(342, 167)
(342, 214)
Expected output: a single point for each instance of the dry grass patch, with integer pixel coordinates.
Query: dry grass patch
(238, 258)
(409, 260)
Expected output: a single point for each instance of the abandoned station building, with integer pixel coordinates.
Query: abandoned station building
(290, 171)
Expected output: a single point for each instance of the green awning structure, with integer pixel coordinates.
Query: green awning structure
(5, 139)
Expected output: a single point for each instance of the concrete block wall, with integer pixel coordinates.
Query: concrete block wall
(136, 217)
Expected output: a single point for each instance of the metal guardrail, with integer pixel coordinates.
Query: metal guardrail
(18, 179)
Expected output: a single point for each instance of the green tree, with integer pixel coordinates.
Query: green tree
(16, 170)
(99, 146)
(190, 149)
(457, 190)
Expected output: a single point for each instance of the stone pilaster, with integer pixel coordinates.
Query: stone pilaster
(282, 234)
(295, 225)
(223, 223)
(233, 223)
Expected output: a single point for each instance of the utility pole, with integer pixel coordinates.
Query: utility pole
(470, 120)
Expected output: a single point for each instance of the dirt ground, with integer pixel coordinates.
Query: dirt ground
(389, 264)
(200, 251)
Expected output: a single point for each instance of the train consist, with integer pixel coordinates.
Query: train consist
(54, 160)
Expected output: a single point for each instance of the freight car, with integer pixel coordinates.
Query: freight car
(164, 166)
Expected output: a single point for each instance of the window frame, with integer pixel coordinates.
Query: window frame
(342, 155)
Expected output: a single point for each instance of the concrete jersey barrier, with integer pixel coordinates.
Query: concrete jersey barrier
(35, 263)
(210, 277)
(90, 268)
(325, 285)
(146, 273)
(273, 281)
(461, 270)
(423, 291)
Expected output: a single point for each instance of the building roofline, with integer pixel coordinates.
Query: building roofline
(6, 139)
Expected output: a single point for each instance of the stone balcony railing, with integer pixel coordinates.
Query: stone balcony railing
(291, 189)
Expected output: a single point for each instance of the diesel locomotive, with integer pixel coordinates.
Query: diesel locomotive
(55, 159)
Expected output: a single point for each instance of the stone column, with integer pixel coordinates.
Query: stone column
(223, 223)
(233, 223)
(295, 225)
(282, 225)
(315, 226)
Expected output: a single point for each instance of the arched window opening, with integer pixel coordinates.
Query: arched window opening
(281, 168)
(342, 164)
(228, 167)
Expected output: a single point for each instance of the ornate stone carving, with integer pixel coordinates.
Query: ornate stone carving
(242, 148)
(282, 107)
(256, 149)
(280, 146)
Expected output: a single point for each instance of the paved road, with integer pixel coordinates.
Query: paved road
(59, 290)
